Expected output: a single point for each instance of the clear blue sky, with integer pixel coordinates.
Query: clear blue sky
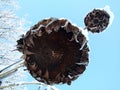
(103, 71)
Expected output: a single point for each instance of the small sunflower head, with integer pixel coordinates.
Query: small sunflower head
(97, 20)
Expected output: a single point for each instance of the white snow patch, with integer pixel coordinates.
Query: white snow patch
(83, 44)
(107, 9)
(83, 63)
(53, 19)
(54, 88)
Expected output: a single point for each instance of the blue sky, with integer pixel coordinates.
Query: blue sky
(103, 71)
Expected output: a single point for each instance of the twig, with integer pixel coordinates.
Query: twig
(27, 83)
(9, 66)
(7, 73)
(17, 84)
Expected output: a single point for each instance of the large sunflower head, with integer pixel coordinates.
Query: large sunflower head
(55, 51)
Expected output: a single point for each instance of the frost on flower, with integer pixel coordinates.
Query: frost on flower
(107, 9)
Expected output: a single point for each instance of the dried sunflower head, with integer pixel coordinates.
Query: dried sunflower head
(97, 20)
(55, 51)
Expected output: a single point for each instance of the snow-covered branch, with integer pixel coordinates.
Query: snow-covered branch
(11, 27)
(10, 70)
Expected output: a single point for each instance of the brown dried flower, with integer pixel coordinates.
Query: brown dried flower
(97, 20)
(53, 52)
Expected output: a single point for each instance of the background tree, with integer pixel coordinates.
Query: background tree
(11, 27)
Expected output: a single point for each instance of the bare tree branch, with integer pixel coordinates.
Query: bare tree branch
(28, 83)
(10, 66)
(8, 72)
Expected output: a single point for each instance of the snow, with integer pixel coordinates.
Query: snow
(107, 9)
(83, 63)
(66, 24)
(54, 88)
(85, 33)
(83, 44)
(53, 20)
(34, 30)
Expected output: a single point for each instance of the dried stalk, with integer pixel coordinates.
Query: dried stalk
(8, 72)
(28, 83)
(9, 66)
